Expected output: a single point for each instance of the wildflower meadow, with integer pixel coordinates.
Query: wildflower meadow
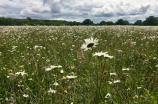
(78, 65)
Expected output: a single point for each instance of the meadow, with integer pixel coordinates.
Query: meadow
(78, 65)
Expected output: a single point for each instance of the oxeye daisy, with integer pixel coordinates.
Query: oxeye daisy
(99, 54)
(52, 91)
(108, 56)
(25, 95)
(22, 73)
(55, 84)
(71, 76)
(108, 95)
(89, 43)
(117, 81)
(125, 69)
(112, 74)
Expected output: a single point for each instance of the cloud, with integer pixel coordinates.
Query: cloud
(121, 9)
(36, 12)
(56, 8)
(96, 10)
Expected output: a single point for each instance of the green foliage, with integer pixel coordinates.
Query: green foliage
(102, 23)
(122, 22)
(33, 49)
(87, 22)
(33, 22)
(138, 22)
(150, 21)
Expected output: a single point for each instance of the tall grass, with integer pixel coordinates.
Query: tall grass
(130, 77)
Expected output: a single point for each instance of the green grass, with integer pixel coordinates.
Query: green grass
(131, 46)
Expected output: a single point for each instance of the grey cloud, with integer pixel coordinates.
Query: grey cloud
(45, 1)
(84, 13)
(96, 10)
(144, 8)
(56, 8)
(120, 9)
(105, 15)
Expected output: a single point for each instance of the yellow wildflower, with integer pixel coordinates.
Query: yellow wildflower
(10, 71)
(136, 96)
(64, 77)
(21, 66)
(65, 91)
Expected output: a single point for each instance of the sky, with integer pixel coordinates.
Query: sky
(79, 10)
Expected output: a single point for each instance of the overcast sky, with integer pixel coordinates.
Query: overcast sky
(78, 10)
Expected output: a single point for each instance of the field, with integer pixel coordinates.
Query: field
(78, 65)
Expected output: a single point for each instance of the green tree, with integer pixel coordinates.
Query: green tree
(87, 22)
(151, 20)
(126, 22)
(119, 22)
(109, 23)
(29, 18)
(2, 21)
(102, 23)
(122, 22)
(138, 22)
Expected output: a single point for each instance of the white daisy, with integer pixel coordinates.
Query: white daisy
(55, 84)
(22, 73)
(108, 56)
(71, 76)
(99, 54)
(102, 54)
(117, 81)
(108, 95)
(25, 95)
(61, 71)
(89, 43)
(125, 69)
(53, 67)
(112, 74)
(52, 91)
(139, 87)
(48, 69)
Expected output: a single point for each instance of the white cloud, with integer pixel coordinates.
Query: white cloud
(96, 10)
(121, 9)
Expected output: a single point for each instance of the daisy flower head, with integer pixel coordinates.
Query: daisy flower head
(112, 74)
(22, 73)
(71, 76)
(99, 54)
(55, 84)
(108, 56)
(125, 69)
(25, 95)
(51, 91)
(108, 95)
(89, 43)
(117, 81)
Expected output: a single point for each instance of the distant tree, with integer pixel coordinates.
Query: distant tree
(109, 23)
(2, 21)
(121, 22)
(138, 22)
(126, 22)
(151, 20)
(29, 18)
(102, 23)
(87, 22)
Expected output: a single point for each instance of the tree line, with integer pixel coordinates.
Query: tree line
(150, 21)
